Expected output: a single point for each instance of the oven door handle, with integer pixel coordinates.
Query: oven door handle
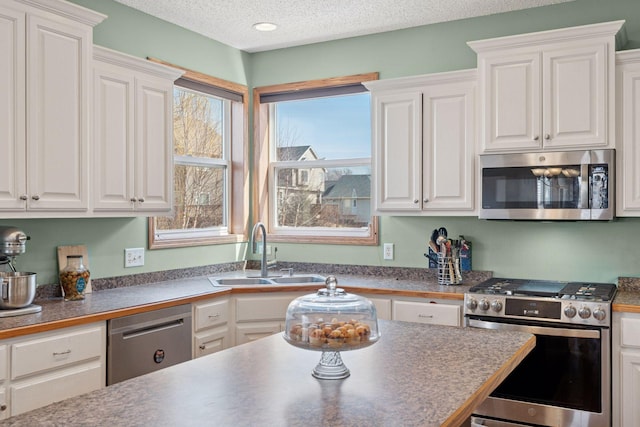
(539, 330)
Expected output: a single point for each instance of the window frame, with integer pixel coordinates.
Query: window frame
(261, 209)
(237, 187)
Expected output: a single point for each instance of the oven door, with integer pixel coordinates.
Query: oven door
(564, 381)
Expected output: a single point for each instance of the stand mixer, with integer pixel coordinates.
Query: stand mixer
(12, 244)
(17, 288)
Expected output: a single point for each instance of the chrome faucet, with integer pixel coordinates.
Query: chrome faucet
(264, 264)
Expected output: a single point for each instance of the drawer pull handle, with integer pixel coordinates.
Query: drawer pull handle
(55, 353)
(215, 316)
(426, 316)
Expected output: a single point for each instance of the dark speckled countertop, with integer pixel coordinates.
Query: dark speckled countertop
(109, 303)
(416, 375)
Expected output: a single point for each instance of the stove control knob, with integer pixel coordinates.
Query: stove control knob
(472, 303)
(570, 311)
(584, 312)
(496, 306)
(599, 313)
(484, 304)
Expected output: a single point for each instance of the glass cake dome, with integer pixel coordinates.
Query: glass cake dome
(331, 321)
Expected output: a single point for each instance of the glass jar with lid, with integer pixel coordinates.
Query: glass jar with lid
(331, 321)
(74, 278)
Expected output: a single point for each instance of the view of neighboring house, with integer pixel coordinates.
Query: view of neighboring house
(350, 198)
(307, 197)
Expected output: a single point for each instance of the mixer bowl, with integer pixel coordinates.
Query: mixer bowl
(18, 289)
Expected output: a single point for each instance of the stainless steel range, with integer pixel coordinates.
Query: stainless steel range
(566, 380)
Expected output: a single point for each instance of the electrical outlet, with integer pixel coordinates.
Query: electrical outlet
(134, 257)
(388, 251)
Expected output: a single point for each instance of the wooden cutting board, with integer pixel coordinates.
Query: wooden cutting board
(63, 251)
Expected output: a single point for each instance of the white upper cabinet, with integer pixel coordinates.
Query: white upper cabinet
(628, 133)
(133, 168)
(423, 144)
(45, 107)
(548, 91)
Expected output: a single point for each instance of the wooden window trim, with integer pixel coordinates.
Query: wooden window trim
(239, 197)
(260, 177)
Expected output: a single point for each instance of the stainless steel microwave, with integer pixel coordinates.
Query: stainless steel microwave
(567, 185)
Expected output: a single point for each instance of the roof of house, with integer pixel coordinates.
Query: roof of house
(343, 187)
(295, 152)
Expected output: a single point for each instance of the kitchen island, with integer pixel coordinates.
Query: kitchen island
(415, 375)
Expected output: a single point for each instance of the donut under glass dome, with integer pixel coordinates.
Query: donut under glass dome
(331, 321)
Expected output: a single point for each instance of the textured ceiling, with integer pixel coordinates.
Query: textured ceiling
(303, 21)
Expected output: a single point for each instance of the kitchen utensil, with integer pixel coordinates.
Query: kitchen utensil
(331, 321)
(18, 289)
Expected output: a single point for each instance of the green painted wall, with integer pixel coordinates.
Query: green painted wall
(565, 251)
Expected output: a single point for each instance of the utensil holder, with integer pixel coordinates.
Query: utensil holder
(448, 270)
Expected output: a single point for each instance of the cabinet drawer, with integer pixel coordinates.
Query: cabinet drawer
(212, 341)
(629, 336)
(207, 315)
(55, 351)
(262, 308)
(45, 389)
(252, 331)
(421, 312)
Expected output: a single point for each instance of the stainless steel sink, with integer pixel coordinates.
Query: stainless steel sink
(299, 279)
(261, 281)
(241, 281)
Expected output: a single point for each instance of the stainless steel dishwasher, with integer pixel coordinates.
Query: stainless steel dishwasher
(145, 342)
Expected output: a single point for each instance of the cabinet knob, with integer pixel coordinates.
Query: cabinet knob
(23, 197)
(3, 407)
(415, 201)
(141, 199)
(547, 136)
(201, 347)
(36, 197)
(133, 200)
(425, 200)
(537, 137)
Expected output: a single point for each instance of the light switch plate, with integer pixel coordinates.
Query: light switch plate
(134, 257)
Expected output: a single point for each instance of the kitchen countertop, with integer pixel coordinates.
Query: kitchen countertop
(414, 375)
(111, 303)
(122, 301)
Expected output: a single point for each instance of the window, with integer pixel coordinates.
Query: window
(313, 161)
(209, 134)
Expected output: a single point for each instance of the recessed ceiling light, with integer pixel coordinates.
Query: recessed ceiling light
(265, 26)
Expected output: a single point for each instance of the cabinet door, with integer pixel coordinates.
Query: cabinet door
(630, 364)
(211, 341)
(511, 102)
(628, 154)
(154, 145)
(42, 390)
(57, 114)
(448, 147)
(12, 109)
(398, 151)
(113, 138)
(575, 97)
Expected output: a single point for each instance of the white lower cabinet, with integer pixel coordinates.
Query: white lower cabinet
(626, 369)
(258, 316)
(383, 307)
(48, 367)
(433, 312)
(211, 331)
